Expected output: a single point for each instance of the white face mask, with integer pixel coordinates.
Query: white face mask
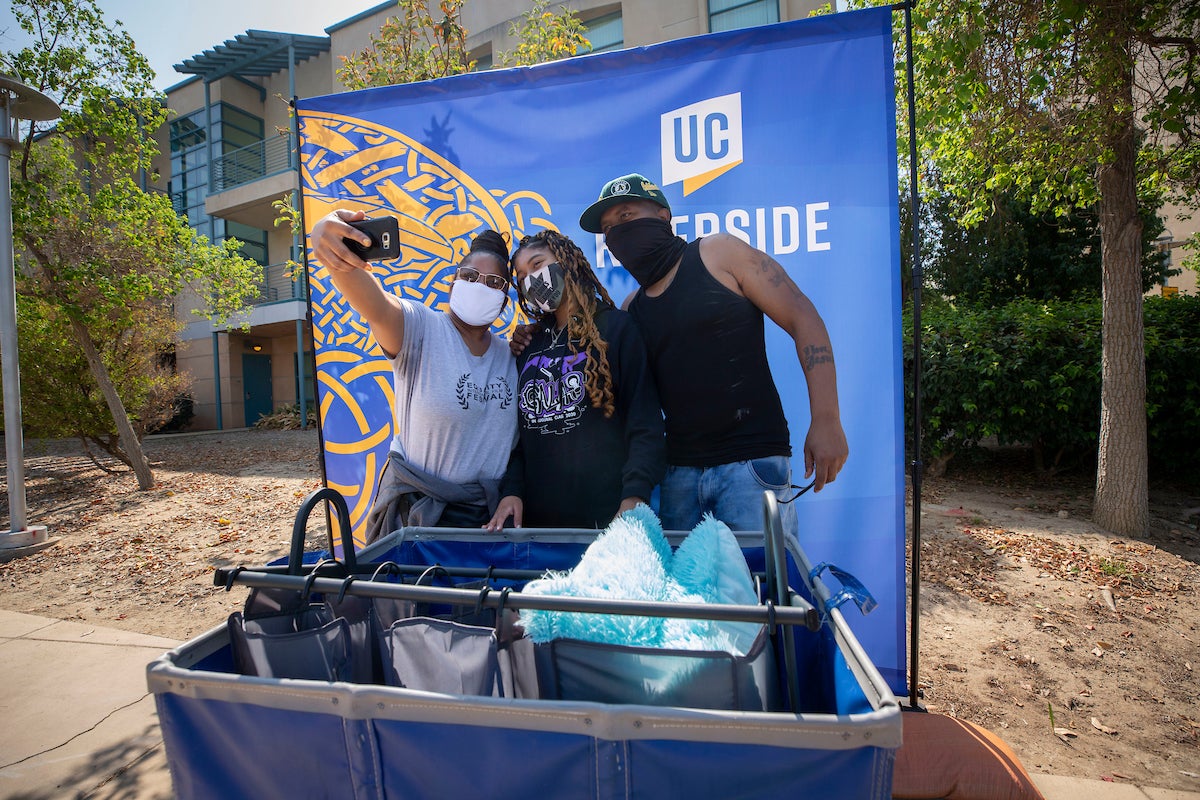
(474, 303)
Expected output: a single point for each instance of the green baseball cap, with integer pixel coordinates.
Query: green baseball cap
(619, 190)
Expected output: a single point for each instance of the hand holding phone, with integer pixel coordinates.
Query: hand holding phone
(385, 239)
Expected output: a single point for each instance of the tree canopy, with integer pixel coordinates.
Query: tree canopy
(411, 47)
(1030, 96)
(104, 260)
(417, 45)
(1014, 252)
(543, 35)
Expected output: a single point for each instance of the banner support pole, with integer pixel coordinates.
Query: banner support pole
(917, 281)
(302, 260)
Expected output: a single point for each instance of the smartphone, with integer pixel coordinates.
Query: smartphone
(385, 239)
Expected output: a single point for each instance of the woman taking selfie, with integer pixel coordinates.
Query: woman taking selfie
(455, 382)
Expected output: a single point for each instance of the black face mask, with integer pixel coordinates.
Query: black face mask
(647, 247)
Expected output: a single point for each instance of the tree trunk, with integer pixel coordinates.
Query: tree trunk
(1122, 502)
(129, 440)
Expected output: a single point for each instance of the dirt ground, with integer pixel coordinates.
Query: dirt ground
(1078, 648)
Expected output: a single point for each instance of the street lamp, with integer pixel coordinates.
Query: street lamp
(17, 101)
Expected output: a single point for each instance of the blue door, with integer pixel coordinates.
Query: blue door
(256, 381)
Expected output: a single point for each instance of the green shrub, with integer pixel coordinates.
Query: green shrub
(1173, 383)
(1029, 373)
(286, 418)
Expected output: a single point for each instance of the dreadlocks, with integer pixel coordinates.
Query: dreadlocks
(587, 295)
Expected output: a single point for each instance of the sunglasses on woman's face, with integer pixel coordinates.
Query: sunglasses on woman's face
(472, 275)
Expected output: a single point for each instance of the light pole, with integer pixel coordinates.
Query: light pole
(17, 101)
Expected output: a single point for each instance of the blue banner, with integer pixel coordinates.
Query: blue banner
(782, 135)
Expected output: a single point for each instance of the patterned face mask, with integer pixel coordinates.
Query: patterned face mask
(543, 288)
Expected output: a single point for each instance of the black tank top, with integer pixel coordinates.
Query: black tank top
(709, 359)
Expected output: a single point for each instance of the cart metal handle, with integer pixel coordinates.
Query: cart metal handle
(300, 527)
(371, 569)
(721, 612)
(226, 577)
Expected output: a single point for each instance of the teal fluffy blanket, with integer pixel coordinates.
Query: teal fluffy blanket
(631, 560)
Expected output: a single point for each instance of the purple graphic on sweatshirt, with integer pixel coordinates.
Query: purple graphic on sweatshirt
(553, 396)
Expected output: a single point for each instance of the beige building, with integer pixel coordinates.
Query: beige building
(1182, 225)
(227, 156)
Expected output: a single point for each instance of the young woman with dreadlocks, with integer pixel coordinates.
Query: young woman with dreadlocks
(591, 441)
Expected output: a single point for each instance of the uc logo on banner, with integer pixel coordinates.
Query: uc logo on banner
(702, 141)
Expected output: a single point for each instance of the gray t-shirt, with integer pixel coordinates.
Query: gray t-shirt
(456, 413)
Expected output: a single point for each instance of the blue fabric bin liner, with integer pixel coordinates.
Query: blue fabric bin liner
(568, 669)
(826, 689)
(230, 735)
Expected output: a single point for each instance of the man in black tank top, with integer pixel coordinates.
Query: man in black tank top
(700, 309)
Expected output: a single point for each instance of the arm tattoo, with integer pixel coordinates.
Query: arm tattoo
(816, 355)
(775, 274)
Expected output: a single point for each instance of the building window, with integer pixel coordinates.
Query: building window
(254, 241)
(189, 166)
(186, 133)
(483, 60)
(238, 129)
(726, 15)
(233, 129)
(606, 33)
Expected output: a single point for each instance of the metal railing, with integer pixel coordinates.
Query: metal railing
(278, 284)
(247, 164)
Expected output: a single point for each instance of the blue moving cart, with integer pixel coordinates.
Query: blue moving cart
(817, 716)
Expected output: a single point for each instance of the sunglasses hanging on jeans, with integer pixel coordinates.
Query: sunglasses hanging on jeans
(799, 490)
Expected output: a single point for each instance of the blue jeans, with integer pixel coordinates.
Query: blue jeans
(733, 493)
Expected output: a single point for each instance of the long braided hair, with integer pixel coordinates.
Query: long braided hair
(587, 296)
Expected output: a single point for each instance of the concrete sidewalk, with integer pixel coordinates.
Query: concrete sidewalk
(77, 721)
